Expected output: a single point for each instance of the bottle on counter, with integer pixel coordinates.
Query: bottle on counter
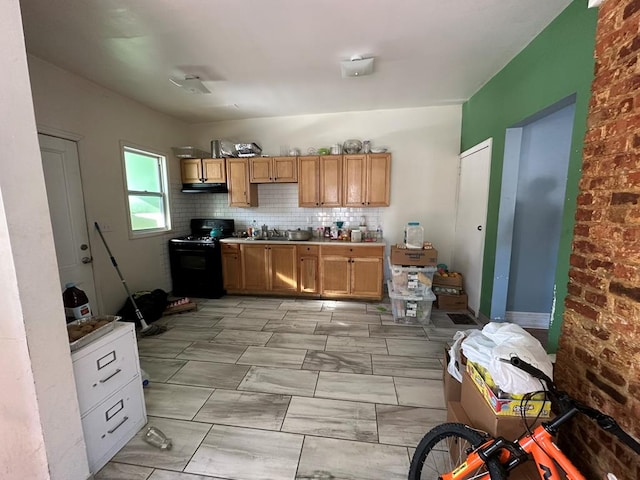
(379, 233)
(255, 231)
(76, 303)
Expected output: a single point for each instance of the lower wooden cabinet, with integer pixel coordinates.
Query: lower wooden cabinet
(231, 267)
(351, 271)
(308, 270)
(269, 268)
(330, 271)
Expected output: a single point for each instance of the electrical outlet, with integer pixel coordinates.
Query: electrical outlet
(105, 227)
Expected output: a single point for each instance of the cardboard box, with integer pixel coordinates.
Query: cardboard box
(451, 302)
(454, 282)
(484, 418)
(507, 406)
(410, 256)
(457, 414)
(451, 386)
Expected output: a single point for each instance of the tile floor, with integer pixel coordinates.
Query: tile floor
(261, 388)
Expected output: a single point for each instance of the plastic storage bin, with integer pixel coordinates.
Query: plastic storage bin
(411, 280)
(411, 308)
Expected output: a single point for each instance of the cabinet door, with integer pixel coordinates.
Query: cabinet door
(231, 272)
(354, 180)
(366, 277)
(308, 278)
(254, 267)
(191, 169)
(308, 181)
(378, 180)
(285, 169)
(331, 181)
(241, 192)
(213, 170)
(260, 170)
(334, 275)
(283, 270)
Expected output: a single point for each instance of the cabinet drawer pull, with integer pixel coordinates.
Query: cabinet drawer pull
(105, 380)
(118, 425)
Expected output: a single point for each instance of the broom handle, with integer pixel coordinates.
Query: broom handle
(115, 264)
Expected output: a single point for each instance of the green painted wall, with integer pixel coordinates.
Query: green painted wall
(557, 63)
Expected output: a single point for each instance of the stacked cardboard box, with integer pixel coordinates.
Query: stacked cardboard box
(449, 292)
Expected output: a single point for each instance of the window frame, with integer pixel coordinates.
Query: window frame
(162, 171)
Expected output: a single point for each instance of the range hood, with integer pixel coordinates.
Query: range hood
(205, 188)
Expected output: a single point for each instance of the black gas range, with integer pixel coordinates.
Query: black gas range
(196, 260)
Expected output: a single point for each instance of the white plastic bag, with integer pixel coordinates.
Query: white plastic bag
(503, 341)
(453, 367)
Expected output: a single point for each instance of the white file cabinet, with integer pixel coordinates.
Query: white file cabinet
(109, 385)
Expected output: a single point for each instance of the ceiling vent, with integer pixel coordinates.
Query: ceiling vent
(357, 67)
(191, 84)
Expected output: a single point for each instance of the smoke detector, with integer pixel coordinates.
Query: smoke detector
(191, 84)
(357, 66)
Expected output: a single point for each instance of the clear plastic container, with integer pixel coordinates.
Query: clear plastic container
(411, 308)
(413, 235)
(411, 280)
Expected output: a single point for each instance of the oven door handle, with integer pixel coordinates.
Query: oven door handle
(197, 249)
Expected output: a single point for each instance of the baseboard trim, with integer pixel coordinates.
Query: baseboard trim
(529, 319)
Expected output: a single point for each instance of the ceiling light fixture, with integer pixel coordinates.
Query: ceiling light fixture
(191, 84)
(357, 66)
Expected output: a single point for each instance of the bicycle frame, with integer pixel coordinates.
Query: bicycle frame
(539, 444)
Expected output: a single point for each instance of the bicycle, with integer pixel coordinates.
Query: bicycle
(454, 451)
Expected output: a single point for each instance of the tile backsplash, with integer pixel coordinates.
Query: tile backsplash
(278, 208)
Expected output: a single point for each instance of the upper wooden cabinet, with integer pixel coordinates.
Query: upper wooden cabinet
(273, 169)
(320, 181)
(203, 170)
(242, 193)
(367, 180)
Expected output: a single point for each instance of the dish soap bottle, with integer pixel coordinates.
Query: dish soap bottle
(255, 231)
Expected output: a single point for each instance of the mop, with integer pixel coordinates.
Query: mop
(147, 330)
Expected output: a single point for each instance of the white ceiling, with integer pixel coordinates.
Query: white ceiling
(263, 58)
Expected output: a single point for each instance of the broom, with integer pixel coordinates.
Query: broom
(147, 330)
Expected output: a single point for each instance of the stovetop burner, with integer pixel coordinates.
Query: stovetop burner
(207, 231)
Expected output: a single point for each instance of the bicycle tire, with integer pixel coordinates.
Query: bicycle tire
(431, 444)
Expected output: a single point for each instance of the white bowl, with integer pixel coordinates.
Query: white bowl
(378, 150)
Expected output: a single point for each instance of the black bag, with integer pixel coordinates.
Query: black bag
(150, 304)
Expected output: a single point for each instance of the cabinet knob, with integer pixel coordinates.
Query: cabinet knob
(205, 179)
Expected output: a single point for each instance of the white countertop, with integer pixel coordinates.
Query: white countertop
(313, 241)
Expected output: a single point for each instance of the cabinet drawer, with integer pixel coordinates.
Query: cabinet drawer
(305, 250)
(230, 247)
(352, 251)
(102, 370)
(113, 423)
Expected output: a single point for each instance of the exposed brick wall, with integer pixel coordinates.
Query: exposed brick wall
(599, 352)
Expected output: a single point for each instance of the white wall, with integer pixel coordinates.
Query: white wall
(40, 431)
(67, 103)
(424, 142)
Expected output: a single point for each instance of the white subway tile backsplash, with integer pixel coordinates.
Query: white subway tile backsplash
(278, 208)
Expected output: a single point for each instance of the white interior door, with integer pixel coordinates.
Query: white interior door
(471, 216)
(66, 207)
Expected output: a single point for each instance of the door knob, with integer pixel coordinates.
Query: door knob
(86, 259)
(479, 227)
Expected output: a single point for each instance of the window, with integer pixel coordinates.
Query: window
(147, 199)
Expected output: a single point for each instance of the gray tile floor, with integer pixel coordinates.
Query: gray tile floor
(264, 388)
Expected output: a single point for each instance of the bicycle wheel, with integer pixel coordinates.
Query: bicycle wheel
(444, 448)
